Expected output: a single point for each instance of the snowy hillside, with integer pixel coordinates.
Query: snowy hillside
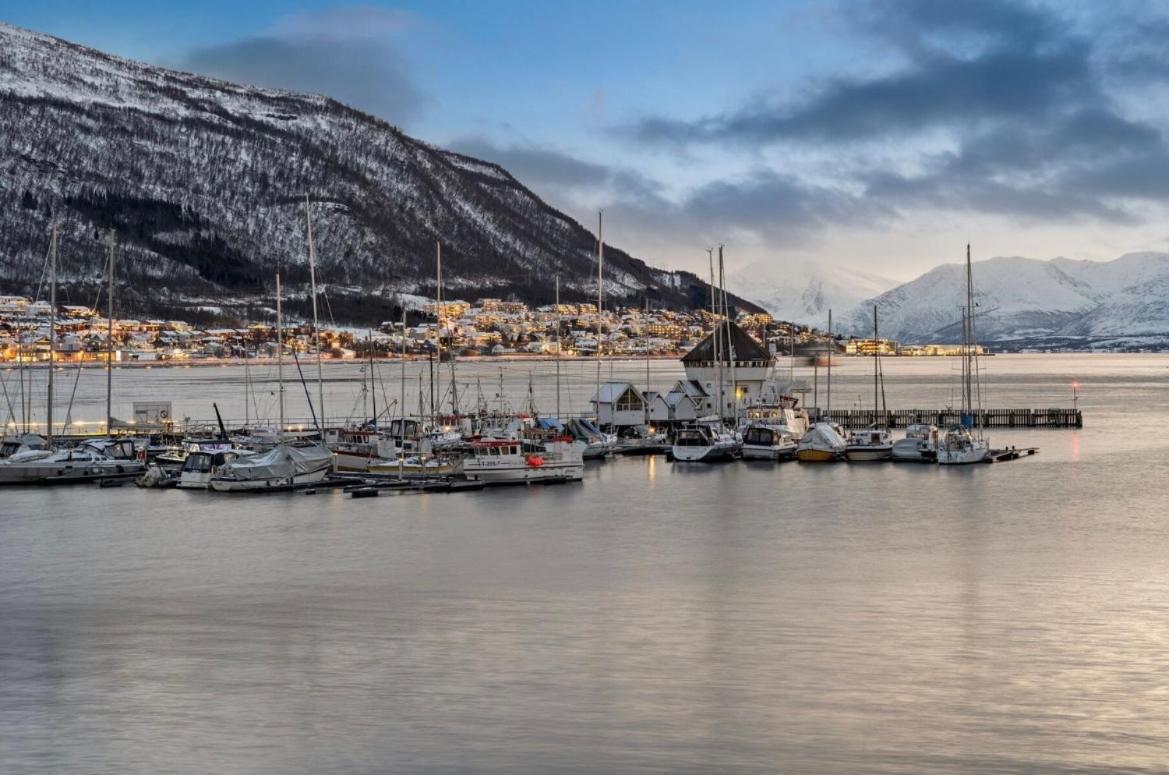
(205, 183)
(1022, 300)
(804, 291)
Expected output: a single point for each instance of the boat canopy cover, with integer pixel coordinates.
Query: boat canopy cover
(824, 435)
(280, 462)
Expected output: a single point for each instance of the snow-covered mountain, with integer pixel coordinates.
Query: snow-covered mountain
(803, 291)
(1025, 300)
(205, 182)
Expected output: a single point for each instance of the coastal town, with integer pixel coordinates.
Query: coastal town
(487, 327)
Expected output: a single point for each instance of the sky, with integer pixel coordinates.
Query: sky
(868, 135)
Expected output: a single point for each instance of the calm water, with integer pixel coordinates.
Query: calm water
(657, 617)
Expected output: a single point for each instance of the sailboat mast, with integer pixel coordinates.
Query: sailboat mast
(280, 357)
(975, 388)
(876, 363)
(600, 293)
(372, 382)
(402, 397)
(110, 338)
(717, 327)
(312, 274)
(52, 332)
(558, 348)
(831, 347)
(726, 313)
(437, 409)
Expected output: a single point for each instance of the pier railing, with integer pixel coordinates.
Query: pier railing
(986, 418)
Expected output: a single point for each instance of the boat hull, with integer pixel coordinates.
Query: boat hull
(774, 453)
(67, 473)
(521, 475)
(711, 454)
(869, 454)
(267, 485)
(816, 455)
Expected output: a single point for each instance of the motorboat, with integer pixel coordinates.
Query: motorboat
(642, 440)
(871, 444)
(22, 442)
(521, 460)
(920, 445)
(706, 441)
(283, 467)
(822, 443)
(88, 461)
(202, 464)
(961, 447)
(767, 441)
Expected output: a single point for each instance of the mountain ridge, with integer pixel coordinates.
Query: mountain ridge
(1026, 302)
(204, 182)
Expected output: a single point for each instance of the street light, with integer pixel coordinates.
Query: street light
(1075, 395)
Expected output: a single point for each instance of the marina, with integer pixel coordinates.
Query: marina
(601, 619)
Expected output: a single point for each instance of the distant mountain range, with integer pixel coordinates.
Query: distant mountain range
(1025, 302)
(205, 183)
(803, 291)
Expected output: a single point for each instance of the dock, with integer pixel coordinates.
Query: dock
(986, 418)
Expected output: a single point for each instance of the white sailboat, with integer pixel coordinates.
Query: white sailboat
(964, 444)
(288, 464)
(875, 442)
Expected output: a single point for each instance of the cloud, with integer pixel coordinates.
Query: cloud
(761, 206)
(347, 54)
(548, 168)
(1012, 92)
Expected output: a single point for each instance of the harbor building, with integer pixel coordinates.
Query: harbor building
(729, 367)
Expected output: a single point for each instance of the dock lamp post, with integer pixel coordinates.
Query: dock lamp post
(1075, 396)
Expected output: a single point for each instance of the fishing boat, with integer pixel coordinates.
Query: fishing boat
(518, 461)
(705, 441)
(964, 443)
(920, 445)
(354, 449)
(823, 443)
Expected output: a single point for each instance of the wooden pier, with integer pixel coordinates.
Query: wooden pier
(986, 418)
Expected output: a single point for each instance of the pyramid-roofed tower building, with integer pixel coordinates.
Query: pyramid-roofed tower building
(730, 367)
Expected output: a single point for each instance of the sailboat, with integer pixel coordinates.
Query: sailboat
(874, 442)
(961, 445)
(89, 461)
(823, 442)
(285, 466)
